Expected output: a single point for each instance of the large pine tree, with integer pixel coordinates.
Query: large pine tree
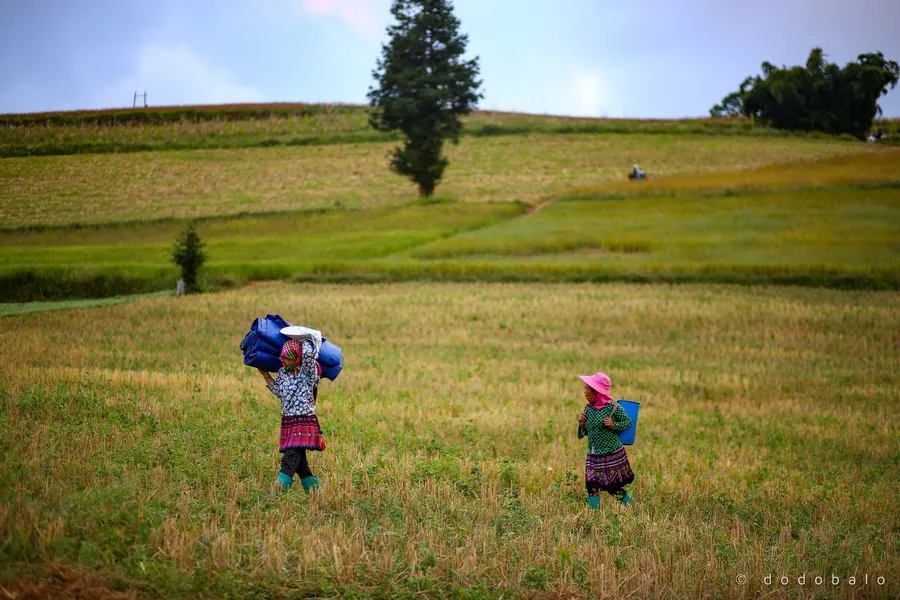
(423, 87)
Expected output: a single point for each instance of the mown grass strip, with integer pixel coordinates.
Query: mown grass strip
(23, 308)
(473, 271)
(850, 227)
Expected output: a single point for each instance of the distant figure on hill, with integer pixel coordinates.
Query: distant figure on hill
(606, 467)
(637, 173)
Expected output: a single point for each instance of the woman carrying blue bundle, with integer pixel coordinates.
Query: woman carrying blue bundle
(296, 386)
(606, 468)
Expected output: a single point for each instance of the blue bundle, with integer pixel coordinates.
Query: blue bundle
(262, 348)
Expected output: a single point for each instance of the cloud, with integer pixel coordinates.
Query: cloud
(363, 16)
(175, 74)
(590, 95)
(545, 88)
(586, 92)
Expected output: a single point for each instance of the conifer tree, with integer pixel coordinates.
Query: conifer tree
(423, 86)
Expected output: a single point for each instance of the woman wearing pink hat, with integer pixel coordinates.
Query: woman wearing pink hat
(606, 468)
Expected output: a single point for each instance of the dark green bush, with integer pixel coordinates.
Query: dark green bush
(189, 254)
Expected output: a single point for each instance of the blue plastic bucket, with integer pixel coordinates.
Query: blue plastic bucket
(631, 409)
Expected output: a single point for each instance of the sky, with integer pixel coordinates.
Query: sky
(602, 58)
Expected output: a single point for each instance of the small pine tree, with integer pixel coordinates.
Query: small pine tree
(423, 87)
(188, 253)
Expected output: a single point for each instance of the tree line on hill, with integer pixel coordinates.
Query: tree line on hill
(819, 96)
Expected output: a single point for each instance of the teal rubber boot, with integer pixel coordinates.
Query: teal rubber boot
(285, 481)
(625, 498)
(594, 501)
(310, 483)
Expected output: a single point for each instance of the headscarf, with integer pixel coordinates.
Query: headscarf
(291, 356)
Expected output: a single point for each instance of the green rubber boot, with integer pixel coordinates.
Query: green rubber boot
(625, 498)
(594, 501)
(310, 483)
(285, 481)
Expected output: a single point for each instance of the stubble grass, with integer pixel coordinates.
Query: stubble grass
(90, 189)
(864, 168)
(766, 443)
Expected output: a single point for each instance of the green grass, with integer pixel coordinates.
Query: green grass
(838, 237)
(717, 208)
(839, 227)
(66, 262)
(136, 451)
(23, 308)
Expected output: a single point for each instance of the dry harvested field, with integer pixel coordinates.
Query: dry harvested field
(137, 448)
(103, 188)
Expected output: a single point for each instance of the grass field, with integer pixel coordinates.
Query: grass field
(837, 236)
(124, 187)
(861, 168)
(138, 450)
(853, 227)
(831, 221)
(247, 126)
(65, 263)
(11, 309)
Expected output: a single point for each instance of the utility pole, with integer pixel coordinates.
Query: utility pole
(134, 103)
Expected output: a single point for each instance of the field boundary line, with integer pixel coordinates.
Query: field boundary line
(323, 210)
(16, 309)
(892, 183)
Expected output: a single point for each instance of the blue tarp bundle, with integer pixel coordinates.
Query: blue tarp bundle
(262, 348)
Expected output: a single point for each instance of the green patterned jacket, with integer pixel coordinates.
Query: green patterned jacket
(601, 439)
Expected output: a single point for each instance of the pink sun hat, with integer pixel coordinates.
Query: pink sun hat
(600, 383)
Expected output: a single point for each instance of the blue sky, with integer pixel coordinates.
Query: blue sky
(615, 58)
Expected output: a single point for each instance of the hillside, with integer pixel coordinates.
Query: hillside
(268, 125)
(723, 203)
